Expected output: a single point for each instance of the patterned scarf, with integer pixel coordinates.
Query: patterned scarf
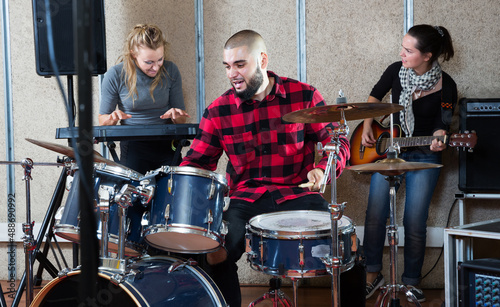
(410, 82)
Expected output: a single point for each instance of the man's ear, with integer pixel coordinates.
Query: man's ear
(263, 60)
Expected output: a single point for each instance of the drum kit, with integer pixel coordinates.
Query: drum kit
(179, 209)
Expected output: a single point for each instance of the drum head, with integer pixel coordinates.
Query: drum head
(305, 224)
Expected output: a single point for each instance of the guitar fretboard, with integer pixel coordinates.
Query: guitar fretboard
(411, 141)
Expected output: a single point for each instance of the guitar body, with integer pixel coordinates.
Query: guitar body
(361, 154)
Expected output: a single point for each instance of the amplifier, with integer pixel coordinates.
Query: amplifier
(479, 170)
(479, 283)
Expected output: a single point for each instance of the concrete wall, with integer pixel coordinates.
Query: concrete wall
(349, 44)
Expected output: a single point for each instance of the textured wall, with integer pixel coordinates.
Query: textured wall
(349, 44)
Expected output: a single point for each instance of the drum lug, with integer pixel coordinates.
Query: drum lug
(170, 183)
(59, 214)
(227, 201)
(248, 245)
(301, 256)
(262, 251)
(167, 213)
(212, 190)
(210, 220)
(144, 221)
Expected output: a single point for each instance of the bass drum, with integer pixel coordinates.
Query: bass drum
(149, 284)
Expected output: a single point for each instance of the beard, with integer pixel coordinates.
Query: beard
(253, 86)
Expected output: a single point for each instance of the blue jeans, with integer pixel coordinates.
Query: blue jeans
(420, 186)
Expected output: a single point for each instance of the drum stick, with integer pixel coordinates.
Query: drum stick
(306, 185)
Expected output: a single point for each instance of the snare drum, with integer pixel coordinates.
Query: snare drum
(292, 243)
(186, 210)
(150, 282)
(67, 220)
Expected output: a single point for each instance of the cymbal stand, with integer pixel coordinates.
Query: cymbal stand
(334, 262)
(390, 291)
(29, 243)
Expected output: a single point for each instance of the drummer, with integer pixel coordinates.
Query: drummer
(268, 158)
(143, 89)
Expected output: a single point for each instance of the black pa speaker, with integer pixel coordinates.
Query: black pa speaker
(61, 12)
(479, 170)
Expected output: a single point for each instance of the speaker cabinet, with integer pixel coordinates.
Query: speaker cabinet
(61, 12)
(479, 170)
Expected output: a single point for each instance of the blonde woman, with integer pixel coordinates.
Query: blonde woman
(143, 89)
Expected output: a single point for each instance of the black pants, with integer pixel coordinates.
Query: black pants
(144, 156)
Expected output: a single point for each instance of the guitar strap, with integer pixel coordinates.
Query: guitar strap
(448, 101)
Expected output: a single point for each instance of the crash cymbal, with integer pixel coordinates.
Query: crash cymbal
(392, 167)
(331, 113)
(68, 151)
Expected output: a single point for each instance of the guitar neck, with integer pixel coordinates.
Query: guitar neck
(413, 141)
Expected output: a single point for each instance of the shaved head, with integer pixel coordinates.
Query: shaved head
(248, 38)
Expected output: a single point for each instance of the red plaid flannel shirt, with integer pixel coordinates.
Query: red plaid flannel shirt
(266, 154)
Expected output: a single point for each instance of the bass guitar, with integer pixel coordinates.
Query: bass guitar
(382, 134)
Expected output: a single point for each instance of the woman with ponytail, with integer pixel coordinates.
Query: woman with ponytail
(428, 96)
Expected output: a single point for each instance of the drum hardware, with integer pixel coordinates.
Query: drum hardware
(32, 246)
(108, 180)
(276, 295)
(104, 197)
(337, 113)
(391, 168)
(29, 243)
(124, 199)
(212, 190)
(333, 263)
(179, 264)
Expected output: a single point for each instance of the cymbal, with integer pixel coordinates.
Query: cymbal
(331, 113)
(68, 151)
(392, 167)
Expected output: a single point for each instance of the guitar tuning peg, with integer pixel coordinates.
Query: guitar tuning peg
(470, 150)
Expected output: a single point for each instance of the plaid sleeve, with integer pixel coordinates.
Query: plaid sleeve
(206, 148)
(319, 133)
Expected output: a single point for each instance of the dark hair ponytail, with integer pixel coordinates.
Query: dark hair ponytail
(436, 40)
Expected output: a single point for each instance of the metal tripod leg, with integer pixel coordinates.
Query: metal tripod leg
(54, 205)
(274, 294)
(2, 298)
(390, 291)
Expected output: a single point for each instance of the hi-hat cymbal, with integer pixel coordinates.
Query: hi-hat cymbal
(331, 113)
(68, 151)
(392, 167)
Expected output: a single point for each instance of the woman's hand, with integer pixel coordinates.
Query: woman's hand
(113, 118)
(367, 138)
(178, 116)
(436, 144)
